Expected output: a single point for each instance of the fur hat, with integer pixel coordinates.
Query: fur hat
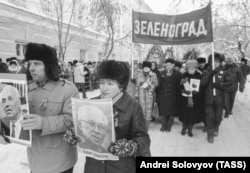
(114, 70)
(178, 64)
(217, 57)
(244, 60)
(201, 60)
(169, 60)
(146, 64)
(191, 64)
(41, 52)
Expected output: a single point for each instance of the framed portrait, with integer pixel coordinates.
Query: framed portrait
(94, 127)
(13, 106)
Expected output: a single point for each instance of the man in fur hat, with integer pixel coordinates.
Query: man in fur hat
(214, 103)
(50, 112)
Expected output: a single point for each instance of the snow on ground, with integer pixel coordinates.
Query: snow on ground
(233, 139)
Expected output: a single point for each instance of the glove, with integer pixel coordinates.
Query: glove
(123, 148)
(184, 80)
(215, 85)
(241, 89)
(194, 92)
(133, 80)
(186, 92)
(190, 102)
(70, 137)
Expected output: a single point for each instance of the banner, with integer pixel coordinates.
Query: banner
(93, 121)
(190, 28)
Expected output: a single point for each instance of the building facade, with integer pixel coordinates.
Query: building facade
(24, 21)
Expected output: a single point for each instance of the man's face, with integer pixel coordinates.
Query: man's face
(94, 128)
(37, 70)
(10, 102)
(191, 70)
(169, 66)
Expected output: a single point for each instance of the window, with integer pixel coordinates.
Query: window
(47, 6)
(82, 54)
(20, 49)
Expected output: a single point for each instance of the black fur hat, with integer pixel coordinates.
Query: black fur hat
(217, 57)
(46, 54)
(114, 70)
(201, 60)
(170, 60)
(244, 60)
(41, 52)
(146, 64)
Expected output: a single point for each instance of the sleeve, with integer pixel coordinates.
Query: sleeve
(139, 132)
(59, 123)
(240, 78)
(205, 79)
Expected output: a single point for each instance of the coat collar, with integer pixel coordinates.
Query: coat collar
(50, 85)
(123, 103)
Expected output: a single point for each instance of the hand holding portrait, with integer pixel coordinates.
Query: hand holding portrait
(32, 122)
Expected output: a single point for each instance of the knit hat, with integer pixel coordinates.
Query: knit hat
(114, 70)
(191, 64)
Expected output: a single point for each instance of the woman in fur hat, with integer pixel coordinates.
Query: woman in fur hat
(132, 138)
(146, 82)
(191, 100)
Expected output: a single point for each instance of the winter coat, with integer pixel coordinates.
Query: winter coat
(52, 101)
(191, 115)
(131, 126)
(169, 93)
(223, 81)
(245, 70)
(146, 96)
(236, 77)
(79, 74)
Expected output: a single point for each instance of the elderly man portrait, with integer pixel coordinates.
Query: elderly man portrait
(92, 128)
(11, 120)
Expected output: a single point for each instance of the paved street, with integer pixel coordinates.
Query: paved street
(233, 140)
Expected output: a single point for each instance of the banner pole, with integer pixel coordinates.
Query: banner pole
(132, 65)
(213, 67)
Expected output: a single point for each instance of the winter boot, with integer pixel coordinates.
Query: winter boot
(216, 131)
(163, 123)
(184, 129)
(190, 128)
(210, 136)
(170, 121)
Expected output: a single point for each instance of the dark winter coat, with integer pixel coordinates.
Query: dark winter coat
(169, 93)
(223, 81)
(131, 125)
(192, 115)
(236, 77)
(245, 70)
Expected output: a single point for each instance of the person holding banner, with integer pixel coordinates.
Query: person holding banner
(132, 138)
(214, 104)
(50, 112)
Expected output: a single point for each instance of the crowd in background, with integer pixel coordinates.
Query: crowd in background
(165, 89)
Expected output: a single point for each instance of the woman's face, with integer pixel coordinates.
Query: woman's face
(109, 88)
(191, 70)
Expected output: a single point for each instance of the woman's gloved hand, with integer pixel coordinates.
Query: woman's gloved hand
(123, 148)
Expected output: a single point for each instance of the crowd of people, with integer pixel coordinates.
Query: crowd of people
(193, 91)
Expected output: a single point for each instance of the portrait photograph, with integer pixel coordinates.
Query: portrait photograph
(93, 121)
(13, 106)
